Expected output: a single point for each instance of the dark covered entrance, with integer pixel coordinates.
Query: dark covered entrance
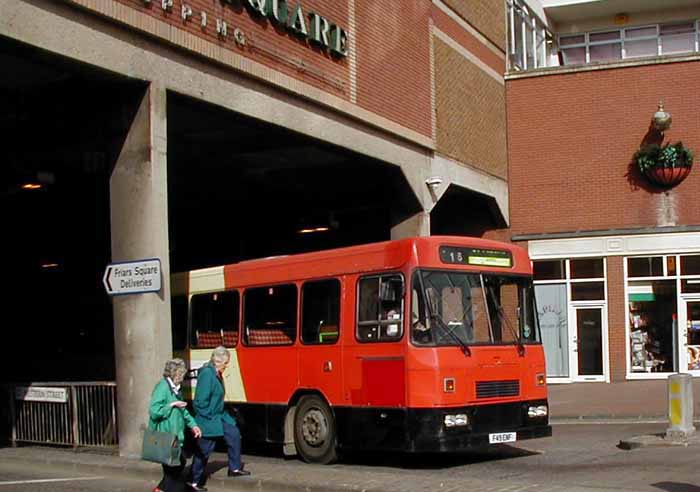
(238, 189)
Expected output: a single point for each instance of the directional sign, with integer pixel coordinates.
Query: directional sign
(132, 277)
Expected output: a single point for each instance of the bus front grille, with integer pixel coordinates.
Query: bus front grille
(497, 389)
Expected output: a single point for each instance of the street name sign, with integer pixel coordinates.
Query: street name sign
(39, 393)
(132, 277)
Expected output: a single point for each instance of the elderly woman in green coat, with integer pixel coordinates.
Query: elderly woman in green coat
(168, 413)
(215, 420)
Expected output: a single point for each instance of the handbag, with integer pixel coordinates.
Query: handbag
(161, 447)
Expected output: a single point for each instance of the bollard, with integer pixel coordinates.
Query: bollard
(680, 407)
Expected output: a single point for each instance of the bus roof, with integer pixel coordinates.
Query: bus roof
(375, 257)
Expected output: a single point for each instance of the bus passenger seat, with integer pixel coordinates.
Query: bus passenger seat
(269, 337)
(208, 339)
(230, 338)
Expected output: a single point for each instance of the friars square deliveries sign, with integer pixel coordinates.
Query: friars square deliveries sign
(132, 277)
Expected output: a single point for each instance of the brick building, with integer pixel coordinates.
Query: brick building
(615, 253)
(199, 132)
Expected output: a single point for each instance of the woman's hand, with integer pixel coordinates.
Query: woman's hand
(197, 432)
(178, 404)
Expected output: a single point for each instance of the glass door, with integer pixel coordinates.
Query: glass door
(588, 344)
(689, 335)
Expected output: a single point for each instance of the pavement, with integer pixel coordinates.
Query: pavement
(624, 401)
(615, 411)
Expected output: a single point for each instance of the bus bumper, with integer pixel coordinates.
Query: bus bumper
(487, 424)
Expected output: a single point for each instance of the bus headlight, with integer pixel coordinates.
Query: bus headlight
(458, 420)
(538, 411)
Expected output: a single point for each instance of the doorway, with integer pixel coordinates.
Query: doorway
(588, 342)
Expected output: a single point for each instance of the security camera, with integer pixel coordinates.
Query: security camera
(433, 181)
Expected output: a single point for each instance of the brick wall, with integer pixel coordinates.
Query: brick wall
(393, 60)
(572, 138)
(470, 112)
(266, 43)
(617, 341)
(487, 16)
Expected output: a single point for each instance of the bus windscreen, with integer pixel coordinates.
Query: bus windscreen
(461, 308)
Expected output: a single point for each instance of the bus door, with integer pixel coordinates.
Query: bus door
(320, 350)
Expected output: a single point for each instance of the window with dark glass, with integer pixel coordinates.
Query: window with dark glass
(214, 318)
(586, 268)
(588, 291)
(690, 265)
(645, 267)
(270, 315)
(380, 308)
(320, 312)
(178, 307)
(549, 270)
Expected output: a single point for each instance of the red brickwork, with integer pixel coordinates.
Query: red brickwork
(571, 139)
(267, 43)
(617, 340)
(450, 27)
(393, 60)
(487, 16)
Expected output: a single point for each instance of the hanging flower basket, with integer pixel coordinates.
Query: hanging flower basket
(667, 165)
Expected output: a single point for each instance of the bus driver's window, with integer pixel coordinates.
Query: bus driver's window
(380, 309)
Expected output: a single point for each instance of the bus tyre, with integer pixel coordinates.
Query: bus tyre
(314, 431)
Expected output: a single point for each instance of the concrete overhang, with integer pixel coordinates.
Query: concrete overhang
(566, 11)
(454, 173)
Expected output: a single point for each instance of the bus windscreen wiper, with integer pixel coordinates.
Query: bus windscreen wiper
(465, 348)
(450, 331)
(504, 318)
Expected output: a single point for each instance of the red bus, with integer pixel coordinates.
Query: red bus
(426, 344)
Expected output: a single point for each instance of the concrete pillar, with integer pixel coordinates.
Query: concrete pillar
(139, 215)
(416, 225)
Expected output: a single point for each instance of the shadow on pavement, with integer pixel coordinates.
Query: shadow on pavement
(676, 487)
(424, 461)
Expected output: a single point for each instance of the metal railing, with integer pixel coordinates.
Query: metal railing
(69, 414)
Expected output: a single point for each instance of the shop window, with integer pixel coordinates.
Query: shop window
(552, 311)
(653, 325)
(270, 316)
(690, 265)
(587, 268)
(690, 286)
(588, 291)
(645, 267)
(549, 270)
(320, 312)
(214, 319)
(178, 307)
(380, 308)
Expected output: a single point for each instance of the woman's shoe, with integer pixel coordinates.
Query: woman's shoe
(238, 473)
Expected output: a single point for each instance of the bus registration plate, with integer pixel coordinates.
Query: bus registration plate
(502, 437)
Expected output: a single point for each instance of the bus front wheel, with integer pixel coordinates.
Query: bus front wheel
(314, 431)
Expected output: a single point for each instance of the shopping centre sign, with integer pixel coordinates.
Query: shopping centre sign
(307, 25)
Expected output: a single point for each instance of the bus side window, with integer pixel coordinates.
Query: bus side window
(270, 315)
(178, 305)
(214, 318)
(320, 312)
(380, 308)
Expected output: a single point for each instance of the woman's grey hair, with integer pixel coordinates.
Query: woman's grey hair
(220, 354)
(174, 367)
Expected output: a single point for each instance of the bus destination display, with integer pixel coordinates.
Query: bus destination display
(476, 256)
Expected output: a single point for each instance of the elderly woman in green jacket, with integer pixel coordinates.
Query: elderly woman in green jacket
(215, 420)
(168, 413)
